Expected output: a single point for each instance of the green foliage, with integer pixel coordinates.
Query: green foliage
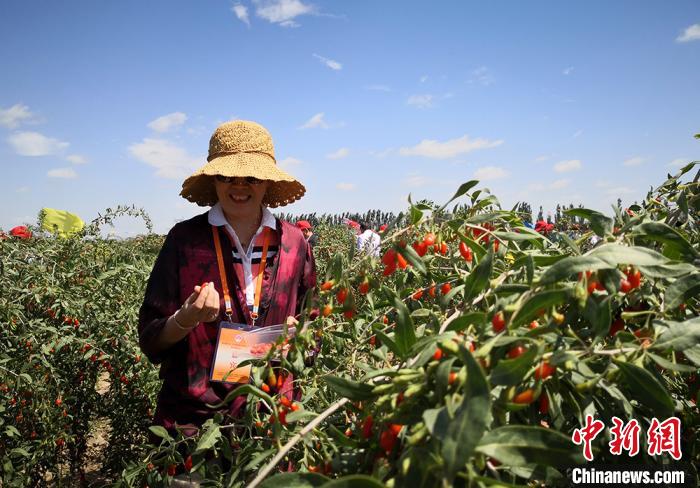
(412, 385)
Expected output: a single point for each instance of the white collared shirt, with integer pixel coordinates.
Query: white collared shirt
(369, 242)
(216, 217)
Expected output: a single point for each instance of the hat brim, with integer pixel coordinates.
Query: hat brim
(283, 188)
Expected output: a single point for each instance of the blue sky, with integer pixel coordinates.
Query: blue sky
(107, 103)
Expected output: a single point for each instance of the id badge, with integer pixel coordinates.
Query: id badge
(240, 342)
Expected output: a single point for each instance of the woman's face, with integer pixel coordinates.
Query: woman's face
(240, 199)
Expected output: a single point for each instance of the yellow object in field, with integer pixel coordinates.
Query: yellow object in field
(510, 259)
(60, 222)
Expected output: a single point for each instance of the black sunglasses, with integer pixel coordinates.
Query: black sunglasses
(251, 180)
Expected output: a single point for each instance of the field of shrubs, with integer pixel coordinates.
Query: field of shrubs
(469, 354)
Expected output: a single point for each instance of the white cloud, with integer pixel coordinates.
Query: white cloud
(416, 180)
(241, 12)
(22, 189)
(424, 78)
(76, 159)
(448, 149)
(619, 190)
(15, 115)
(490, 173)
(691, 33)
(577, 134)
(420, 101)
(314, 122)
(282, 12)
(542, 158)
(168, 122)
(482, 75)
(678, 162)
(568, 71)
(554, 185)
(35, 144)
(289, 162)
(559, 184)
(383, 88)
(566, 166)
(635, 161)
(66, 173)
(381, 154)
(339, 154)
(345, 186)
(602, 183)
(334, 65)
(171, 161)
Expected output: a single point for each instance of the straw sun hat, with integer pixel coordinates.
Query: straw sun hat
(242, 148)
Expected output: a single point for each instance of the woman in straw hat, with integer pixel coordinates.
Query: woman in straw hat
(235, 263)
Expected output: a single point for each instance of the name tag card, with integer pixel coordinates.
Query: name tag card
(240, 342)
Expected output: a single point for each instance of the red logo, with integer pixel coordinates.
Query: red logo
(661, 437)
(587, 434)
(624, 436)
(665, 437)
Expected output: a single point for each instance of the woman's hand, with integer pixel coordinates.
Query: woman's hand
(201, 306)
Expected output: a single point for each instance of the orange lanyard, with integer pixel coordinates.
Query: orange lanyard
(258, 284)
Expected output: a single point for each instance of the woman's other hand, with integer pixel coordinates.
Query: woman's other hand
(201, 306)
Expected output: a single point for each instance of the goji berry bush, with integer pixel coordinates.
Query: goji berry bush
(467, 355)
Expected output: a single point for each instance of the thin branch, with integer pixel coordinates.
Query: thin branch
(288, 446)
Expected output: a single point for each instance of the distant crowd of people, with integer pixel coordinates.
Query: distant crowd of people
(366, 240)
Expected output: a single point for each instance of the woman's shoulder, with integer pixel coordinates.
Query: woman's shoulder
(289, 228)
(190, 226)
(290, 232)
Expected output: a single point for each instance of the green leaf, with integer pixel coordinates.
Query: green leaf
(446, 299)
(520, 445)
(300, 414)
(208, 439)
(537, 302)
(471, 418)
(412, 257)
(681, 291)
(660, 232)
(494, 482)
(616, 254)
(464, 321)
(567, 267)
(442, 376)
(679, 336)
(386, 340)
(600, 224)
(415, 214)
(19, 452)
(160, 432)
(693, 354)
(243, 390)
(666, 364)
(294, 480)
(671, 270)
(463, 188)
(405, 335)
(526, 235)
(537, 259)
(646, 389)
(479, 278)
(353, 481)
(349, 388)
(511, 371)
(599, 315)
(431, 417)
(529, 269)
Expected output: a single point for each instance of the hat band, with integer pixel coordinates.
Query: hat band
(230, 153)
